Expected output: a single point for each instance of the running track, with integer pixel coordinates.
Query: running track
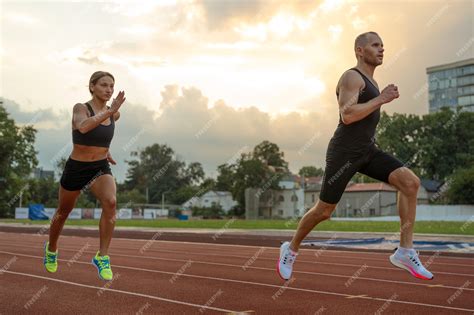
(168, 277)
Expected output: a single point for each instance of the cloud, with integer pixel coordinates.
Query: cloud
(20, 18)
(195, 130)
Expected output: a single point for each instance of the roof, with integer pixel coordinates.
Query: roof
(370, 187)
(430, 185)
(451, 65)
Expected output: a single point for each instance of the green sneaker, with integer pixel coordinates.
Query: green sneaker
(102, 263)
(50, 260)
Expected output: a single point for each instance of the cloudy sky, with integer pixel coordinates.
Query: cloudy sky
(213, 78)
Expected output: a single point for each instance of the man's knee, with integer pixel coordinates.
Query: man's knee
(323, 210)
(410, 185)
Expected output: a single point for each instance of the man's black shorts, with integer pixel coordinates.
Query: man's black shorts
(341, 166)
(78, 175)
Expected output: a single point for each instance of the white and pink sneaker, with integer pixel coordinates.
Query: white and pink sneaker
(409, 261)
(285, 263)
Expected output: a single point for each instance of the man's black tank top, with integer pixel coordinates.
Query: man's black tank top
(360, 135)
(100, 136)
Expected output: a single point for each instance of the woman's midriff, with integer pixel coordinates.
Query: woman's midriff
(87, 153)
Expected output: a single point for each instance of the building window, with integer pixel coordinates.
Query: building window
(372, 212)
(281, 198)
(453, 82)
(294, 198)
(280, 212)
(466, 100)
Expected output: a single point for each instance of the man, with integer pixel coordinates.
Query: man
(352, 149)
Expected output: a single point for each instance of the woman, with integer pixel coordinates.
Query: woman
(93, 125)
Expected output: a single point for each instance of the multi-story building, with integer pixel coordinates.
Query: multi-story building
(451, 85)
(38, 173)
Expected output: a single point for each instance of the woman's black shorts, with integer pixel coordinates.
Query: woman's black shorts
(78, 175)
(342, 165)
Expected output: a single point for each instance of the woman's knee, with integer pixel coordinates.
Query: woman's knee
(109, 203)
(62, 213)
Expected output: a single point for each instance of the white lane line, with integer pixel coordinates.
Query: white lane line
(121, 291)
(263, 268)
(299, 261)
(327, 256)
(276, 249)
(263, 284)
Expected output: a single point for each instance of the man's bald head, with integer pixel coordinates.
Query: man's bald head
(363, 39)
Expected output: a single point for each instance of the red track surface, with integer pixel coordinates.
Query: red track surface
(165, 277)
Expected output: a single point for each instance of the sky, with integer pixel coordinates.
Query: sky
(213, 78)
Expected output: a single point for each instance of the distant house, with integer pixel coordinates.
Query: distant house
(432, 187)
(210, 198)
(299, 194)
(371, 199)
(311, 195)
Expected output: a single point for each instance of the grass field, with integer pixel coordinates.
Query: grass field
(436, 227)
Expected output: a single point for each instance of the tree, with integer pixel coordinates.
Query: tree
(269, 154)
(311, 171)
(438, 145)
(255, 169)
(461, 188)
(156, 169)
(194, 173)
(129, 197)
(213, 212)
(399, 135)
(17, 160)
(226, 176)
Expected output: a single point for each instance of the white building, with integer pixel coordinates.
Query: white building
(210, 198)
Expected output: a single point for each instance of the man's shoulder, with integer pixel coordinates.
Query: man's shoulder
(352, 78)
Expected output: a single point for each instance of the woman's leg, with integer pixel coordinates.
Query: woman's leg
(67, 201)
(104, 189)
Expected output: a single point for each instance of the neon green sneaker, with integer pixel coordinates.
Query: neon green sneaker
(50, 260)
(102, 263)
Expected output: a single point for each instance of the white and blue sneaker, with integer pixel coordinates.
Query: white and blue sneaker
(285, 263)
(410, 262)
